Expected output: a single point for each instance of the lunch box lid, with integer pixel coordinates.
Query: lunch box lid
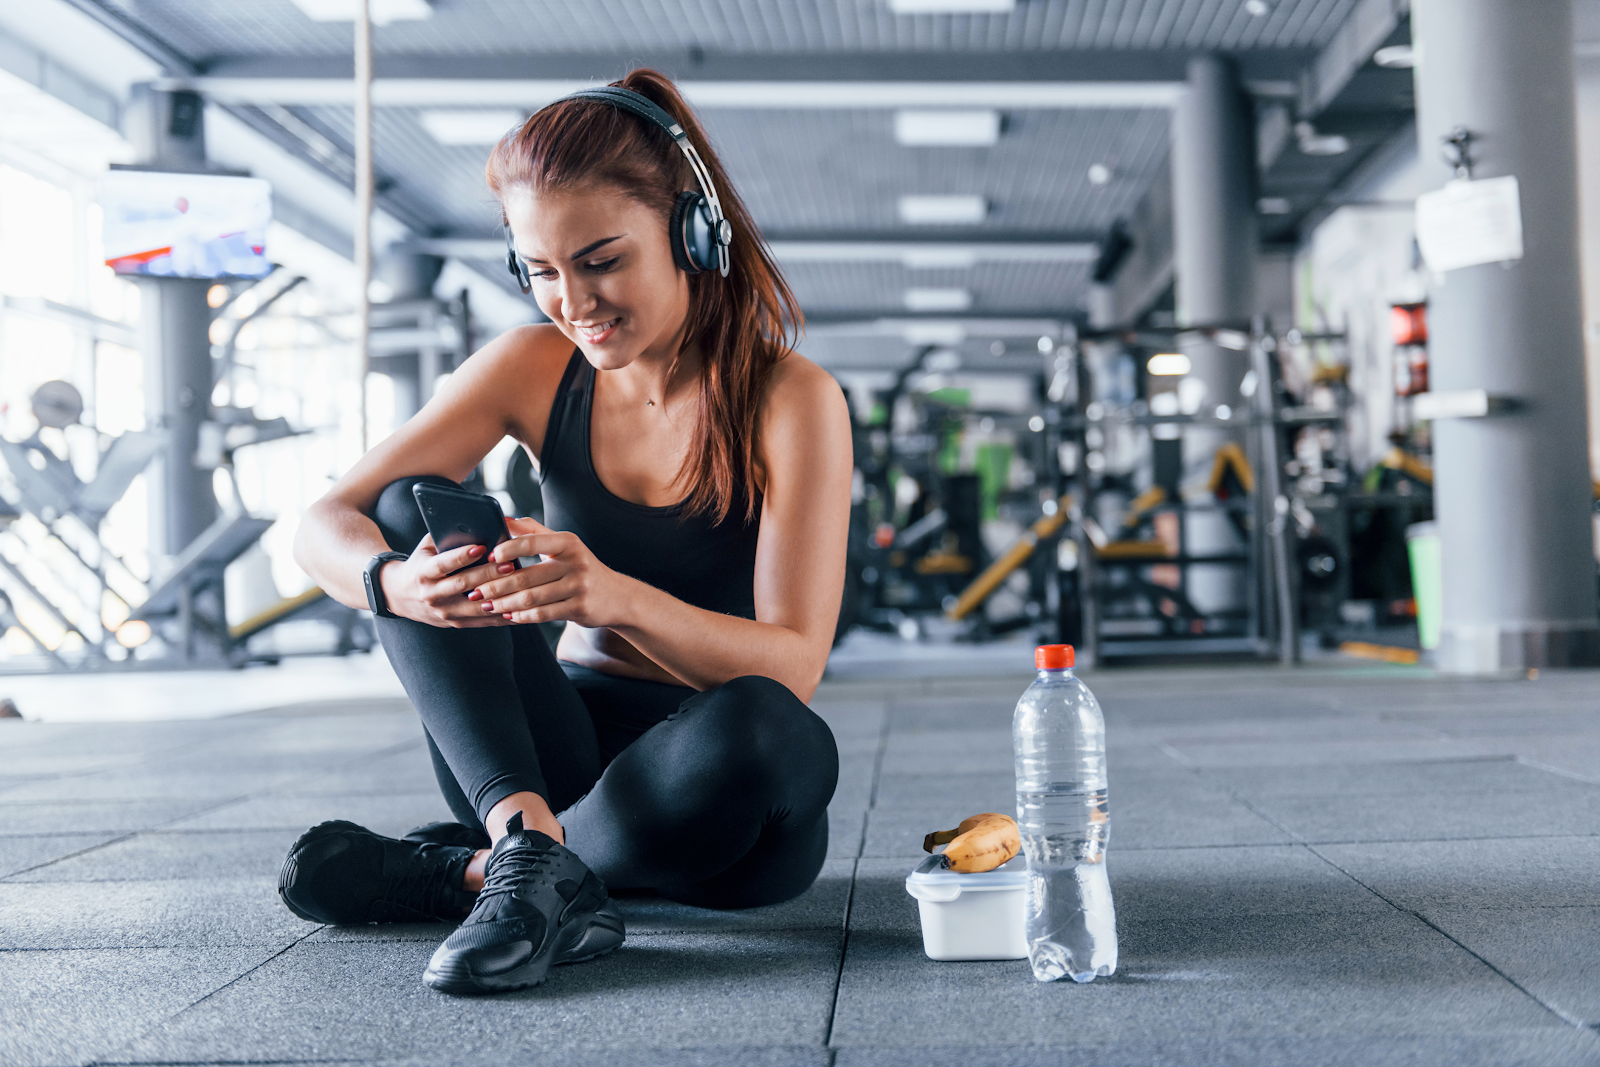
(933, 882)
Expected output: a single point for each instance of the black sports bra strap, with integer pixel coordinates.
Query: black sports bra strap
(566, 413)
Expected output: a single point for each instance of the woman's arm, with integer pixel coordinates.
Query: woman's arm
(805, 452)
(485, 399)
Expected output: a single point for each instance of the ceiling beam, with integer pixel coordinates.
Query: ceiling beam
(741, 95)
(1077, 65)
(953, 253)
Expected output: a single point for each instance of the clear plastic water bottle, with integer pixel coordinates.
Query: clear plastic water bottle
(1060, 739)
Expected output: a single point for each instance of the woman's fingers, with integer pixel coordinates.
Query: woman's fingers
(541, 596)
(442, 564)
(541, 543)
(499, 585)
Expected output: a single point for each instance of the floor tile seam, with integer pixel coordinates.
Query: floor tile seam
(169, 1062)
(169, 1018)
(74, 855)
(1443, 840)
(1205, 773)
(155, 946)
(1552, 769)
(643, 931)
(1419, 917)
(257, 794)
(855, 868)
(1301, 841)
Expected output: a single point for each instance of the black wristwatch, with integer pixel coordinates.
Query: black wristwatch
(375, 598)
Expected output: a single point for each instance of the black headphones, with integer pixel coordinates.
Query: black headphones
(699, 233)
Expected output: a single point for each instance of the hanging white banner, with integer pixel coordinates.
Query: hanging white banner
(1470, 222)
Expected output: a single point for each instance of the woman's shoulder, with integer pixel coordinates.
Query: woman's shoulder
(535, 347)
(796, 381)
(802, 401)
(519, 372)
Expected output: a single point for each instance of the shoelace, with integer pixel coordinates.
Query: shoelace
(509, 869)
(424, 888)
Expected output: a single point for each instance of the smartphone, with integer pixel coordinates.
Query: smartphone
(457, 518)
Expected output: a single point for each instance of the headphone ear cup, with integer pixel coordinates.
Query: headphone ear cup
(694, 246)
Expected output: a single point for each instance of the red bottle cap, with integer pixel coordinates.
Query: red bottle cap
(1053, 657)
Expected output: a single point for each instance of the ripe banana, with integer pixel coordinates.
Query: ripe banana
(980, 843)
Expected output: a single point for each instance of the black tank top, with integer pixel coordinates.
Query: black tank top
(710, 565)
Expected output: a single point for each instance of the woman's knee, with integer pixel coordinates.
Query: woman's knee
(756, 726)
(396, 514)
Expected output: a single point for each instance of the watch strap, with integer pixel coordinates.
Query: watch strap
(375, 598)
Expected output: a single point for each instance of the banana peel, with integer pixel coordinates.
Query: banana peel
(980, 843)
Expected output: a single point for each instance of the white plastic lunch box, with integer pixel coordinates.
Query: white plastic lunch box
(971, 916)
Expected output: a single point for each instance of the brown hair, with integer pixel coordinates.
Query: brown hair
(742, 323)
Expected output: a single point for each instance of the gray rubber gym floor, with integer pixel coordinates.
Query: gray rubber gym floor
(1326, 866)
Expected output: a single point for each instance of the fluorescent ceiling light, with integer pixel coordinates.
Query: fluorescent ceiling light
(943, 210)
(470, 127)
(933, 333)
(952, 7)
(938, 299)
(739, 95)
(383, 11)
(964, 128)
(1168, 363)
(948, 258)
(914, 255)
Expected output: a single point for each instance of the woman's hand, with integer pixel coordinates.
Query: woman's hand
(569, 585)
(432, 586)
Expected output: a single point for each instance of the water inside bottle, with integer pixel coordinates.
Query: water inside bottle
(1071, 922)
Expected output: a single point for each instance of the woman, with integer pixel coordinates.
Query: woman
(696, 476)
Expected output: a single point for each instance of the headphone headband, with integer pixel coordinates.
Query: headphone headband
(641, 106)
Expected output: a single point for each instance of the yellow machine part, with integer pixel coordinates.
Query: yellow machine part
(263, 619)
(1231, 455)
(1014, 557)
(1409, 465)
(1152, 497)
(1134, 550)
(943, 563)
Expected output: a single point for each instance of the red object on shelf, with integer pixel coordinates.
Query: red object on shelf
(1408, 323)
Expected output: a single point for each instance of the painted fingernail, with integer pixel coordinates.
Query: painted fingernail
(506, 568)
(488, 605)
(475, 550)
(474, 595)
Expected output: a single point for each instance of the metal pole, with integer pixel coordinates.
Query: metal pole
(1511, 489)
(1273, 501)
(1214, 254)
(363, 190)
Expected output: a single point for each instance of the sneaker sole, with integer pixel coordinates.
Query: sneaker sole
(291, 867)
(600, 932)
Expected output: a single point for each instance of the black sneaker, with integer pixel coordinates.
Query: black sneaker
(449, 833)
(345, 874)
(539, 906)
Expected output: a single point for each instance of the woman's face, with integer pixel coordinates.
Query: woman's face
(601, 270)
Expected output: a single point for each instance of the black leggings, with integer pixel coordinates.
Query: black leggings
(717, 798)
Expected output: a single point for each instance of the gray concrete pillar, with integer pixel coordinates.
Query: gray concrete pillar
(1214, 256)
(173, 323)
(167, 130)
(1511, 490)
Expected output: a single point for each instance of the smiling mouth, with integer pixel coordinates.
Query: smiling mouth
(597, 332)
